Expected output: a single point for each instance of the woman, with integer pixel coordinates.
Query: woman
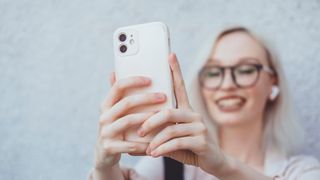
(240, 126)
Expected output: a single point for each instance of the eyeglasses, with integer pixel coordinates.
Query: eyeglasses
(243, 75)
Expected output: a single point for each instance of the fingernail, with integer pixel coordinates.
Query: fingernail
(173, 58)
(160, 96)
(146, 80)
(140, 132)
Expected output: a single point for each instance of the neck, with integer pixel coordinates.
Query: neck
(244, 143)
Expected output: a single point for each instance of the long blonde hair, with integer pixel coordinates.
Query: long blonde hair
(281, 130)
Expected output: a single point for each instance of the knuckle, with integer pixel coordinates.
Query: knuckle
(127, 102)
(203, 129)
(153, 143)
(101, 122)
(146, 125)
(181, 83)
(174, 128)
(133, 148)
(179, 144)
(103, 135)
(103, 118)
(102, 131)
(203, 141)
(107, 102)
(203, 146)
(128, 121)
(168, 113)
(172, 131)
(108, 149)
(197, 116)
(118, 85)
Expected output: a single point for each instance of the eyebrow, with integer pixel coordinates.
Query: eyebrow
(211, 61)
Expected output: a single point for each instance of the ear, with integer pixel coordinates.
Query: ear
(274, 80)
(275, 90)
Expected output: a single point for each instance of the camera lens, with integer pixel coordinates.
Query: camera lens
(122, 37)
(123, 48)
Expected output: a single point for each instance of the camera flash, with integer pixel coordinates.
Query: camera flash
(131, 41)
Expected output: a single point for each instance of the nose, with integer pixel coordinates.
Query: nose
(228, 81)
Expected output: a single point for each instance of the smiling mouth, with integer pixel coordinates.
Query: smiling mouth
(230, 103)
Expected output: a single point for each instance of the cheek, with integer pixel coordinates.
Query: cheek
(257, 97)
(206, 95)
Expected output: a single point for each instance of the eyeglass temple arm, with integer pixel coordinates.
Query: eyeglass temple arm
(268, 69)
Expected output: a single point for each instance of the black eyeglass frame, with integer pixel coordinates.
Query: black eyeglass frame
(259, 67)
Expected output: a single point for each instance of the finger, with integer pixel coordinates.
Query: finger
(138, 154)
(175, 131)
(130, 102)
(167, 116)
(119, 87)
(193, 143)
(117, 147)
(112, 78)
(178, 82)
(122, 124)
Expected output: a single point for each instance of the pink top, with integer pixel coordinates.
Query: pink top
(295, 168)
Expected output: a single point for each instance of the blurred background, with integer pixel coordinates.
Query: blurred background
(56, 56)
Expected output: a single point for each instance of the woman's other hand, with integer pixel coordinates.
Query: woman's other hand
(115, 119)
(186, 140)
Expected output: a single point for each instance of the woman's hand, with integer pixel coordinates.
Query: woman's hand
(186, 140)
(115, 119)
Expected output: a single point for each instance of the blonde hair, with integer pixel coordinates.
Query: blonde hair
(281, 130)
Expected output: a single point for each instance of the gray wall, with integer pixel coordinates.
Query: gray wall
(55, 57)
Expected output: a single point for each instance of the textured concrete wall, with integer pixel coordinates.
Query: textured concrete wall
(55, 57)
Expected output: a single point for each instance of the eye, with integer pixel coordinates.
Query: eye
(213, 72)
(246, 69)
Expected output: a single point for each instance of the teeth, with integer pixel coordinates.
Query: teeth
(234, 102)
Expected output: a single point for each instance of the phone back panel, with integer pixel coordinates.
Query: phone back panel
(146, 56)
(149, 58)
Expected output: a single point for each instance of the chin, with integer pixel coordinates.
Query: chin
(229, 122)
(229, 119)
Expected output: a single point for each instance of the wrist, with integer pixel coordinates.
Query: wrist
(103, 163)
(227, 169)
(107, 172)
(234, 169)
(103, 167)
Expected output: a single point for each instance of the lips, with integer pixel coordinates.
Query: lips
(230, 103)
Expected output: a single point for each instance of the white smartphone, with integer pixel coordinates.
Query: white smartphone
(143, 50)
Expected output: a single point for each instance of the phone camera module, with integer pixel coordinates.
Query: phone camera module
(122, 37)
(123, 48)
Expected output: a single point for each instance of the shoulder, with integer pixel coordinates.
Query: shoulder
(301, 167)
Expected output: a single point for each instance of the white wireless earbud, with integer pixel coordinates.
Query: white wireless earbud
(274, 93)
